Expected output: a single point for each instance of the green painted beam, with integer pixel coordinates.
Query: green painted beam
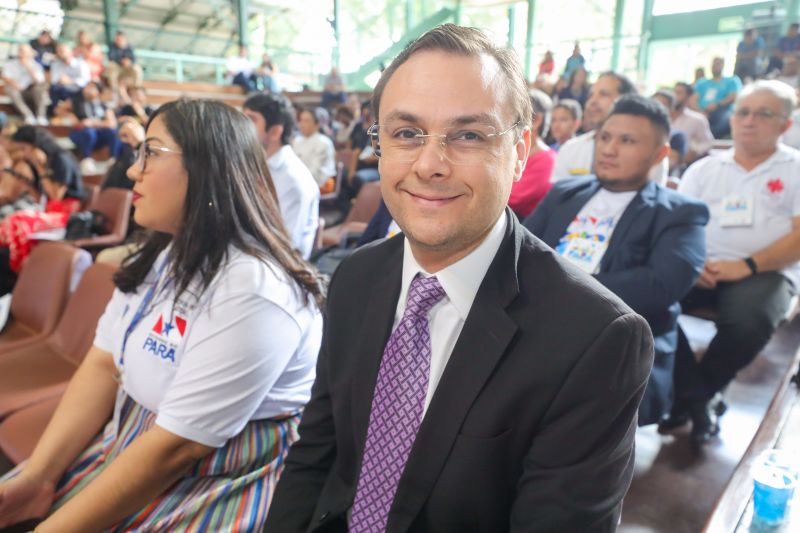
(706, 22)
(642, 55)
(529, 38)
(356, 80)
(127, 6)
(242, 11)
(110, 20)
(409, 15)
(619, 15)
(337, 54)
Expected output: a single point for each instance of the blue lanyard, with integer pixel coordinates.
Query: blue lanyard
(141, 311)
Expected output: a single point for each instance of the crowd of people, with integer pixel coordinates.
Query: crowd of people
(538, 246)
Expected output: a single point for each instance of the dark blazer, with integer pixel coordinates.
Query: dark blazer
(653, 259)
(531, 427)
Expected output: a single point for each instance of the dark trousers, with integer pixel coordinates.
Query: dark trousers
(60, 92)
(87, 140)
(245, 81)
(749, 311)
(720, 121)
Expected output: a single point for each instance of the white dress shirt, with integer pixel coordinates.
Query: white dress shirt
(460, 282)
(576, 158)
(298, 198)
(318, 154)
(78, 71)
(16, 71)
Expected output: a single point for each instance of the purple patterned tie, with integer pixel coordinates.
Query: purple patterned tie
(397, 408)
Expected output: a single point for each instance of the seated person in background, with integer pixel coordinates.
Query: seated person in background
(25, 85)
(96, 127)
(266, 76)
(137, 105)
(89, 51)
(17, 228)
(240, 70)
(575, 156)
(639, 239)
(715, 97)
(123, 72)
(749, 52)
(577, 87)
(533, 185)
(751, 267)
(565, 122)
(692, 123)
(677, 155)
(19, 188)
(68, 75)
(790, 73)
(314, 149)
(131, 137)
(205, 353)
(298, 193)
(363, 165)
(45, 47)
(37, 144)
(333, 91)
(343, 124)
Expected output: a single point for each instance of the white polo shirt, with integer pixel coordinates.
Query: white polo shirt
(576, 158)
(773, 186)
(245, 349)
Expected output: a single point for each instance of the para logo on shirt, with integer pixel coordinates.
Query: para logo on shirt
(165, 336)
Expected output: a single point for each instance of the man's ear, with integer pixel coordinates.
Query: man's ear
(275, 132)
(523, 148)
(663, 151)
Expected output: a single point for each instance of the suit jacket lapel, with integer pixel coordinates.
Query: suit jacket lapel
(483, 340)
(381, 303)
(640, 203)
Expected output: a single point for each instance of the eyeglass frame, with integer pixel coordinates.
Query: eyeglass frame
(141, 153)
(758, 114)
(372, 133)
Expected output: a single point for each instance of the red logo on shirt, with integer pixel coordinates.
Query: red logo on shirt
(165, 329)
(775, 186)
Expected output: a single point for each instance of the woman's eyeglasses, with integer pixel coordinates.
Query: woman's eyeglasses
(147, 150)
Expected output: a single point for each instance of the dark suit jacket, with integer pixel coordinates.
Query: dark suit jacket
(531, 427)
(653, 259)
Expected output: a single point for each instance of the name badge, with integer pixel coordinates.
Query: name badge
(711, 95)
(737, 210)
(586, 254)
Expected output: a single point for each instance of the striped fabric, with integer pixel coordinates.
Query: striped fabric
(230, 490)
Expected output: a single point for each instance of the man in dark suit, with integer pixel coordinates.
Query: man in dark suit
(469, 379)
(641, 240)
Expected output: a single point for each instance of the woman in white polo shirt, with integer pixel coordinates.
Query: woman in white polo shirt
(182, 412)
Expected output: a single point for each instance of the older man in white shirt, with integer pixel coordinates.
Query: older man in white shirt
(752, 266)
(693, 124)
(313, 148)
(298, 194)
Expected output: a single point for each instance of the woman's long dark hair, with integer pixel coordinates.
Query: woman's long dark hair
(230, 200)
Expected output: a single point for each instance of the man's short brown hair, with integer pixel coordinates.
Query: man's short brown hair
(469, 42)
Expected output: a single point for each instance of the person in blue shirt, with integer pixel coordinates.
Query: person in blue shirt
(715, 97)
(748, 55)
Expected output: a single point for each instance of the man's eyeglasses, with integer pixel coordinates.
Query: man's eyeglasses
(461, 145)
(758, 114)
(147, 150)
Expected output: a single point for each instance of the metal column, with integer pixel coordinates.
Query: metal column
(110, 19)
(336, 59)
(643, 55)
(409, 15)
(512, 15)
(619, 12)
(242, 9)
(529, 37)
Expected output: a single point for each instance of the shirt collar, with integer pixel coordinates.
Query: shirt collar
(462, 279)
(278, 159)
(781, 155)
